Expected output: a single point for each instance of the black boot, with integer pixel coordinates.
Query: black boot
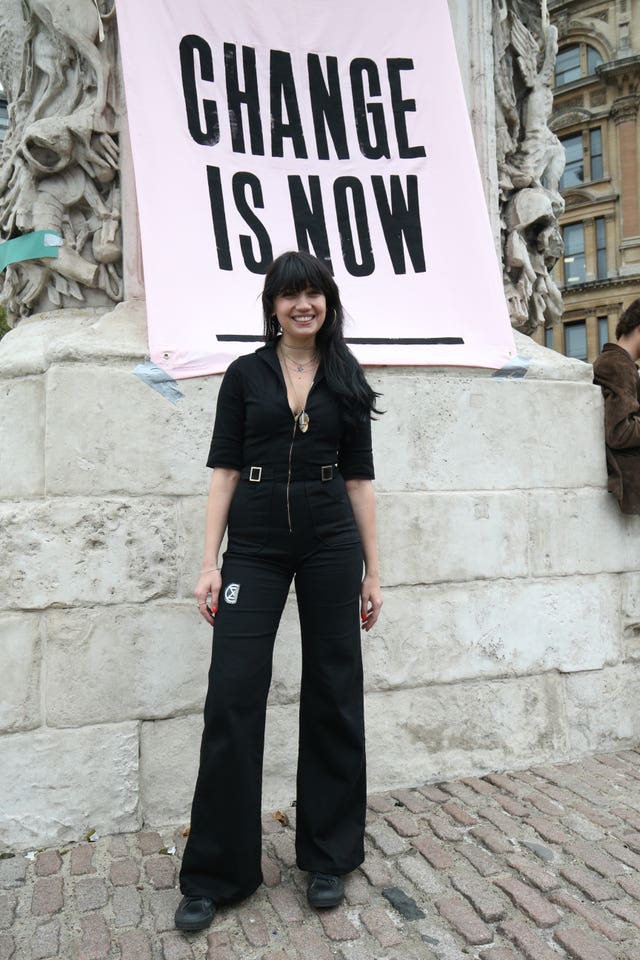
(325, 890)
(195, 913)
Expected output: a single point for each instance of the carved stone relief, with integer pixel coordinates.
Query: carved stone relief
(530, 161)
(60, 161)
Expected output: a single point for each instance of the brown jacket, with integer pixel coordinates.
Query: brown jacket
(617, 374)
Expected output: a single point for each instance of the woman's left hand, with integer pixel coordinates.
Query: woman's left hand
(371, 601)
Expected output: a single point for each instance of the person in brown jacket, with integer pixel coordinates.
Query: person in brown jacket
(615, 371)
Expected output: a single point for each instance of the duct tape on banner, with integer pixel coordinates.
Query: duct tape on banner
(30, 246)
(514, 369)
(159, 380)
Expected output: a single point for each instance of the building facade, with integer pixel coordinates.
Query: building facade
(595, 115)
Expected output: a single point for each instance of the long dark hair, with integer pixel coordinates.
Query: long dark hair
(296, 270)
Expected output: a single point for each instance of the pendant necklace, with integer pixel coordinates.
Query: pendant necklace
(300, 367)
(301, 418)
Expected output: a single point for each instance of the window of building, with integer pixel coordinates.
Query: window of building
(576, 61)
(574, 166)
(601, 248)
(548, 337)
(603, 332)
(4, 116)
(575, 340)
(574, 258)
(568, 65)
(595, 154)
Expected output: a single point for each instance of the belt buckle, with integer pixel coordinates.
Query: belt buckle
(326, 473)
(255, 474)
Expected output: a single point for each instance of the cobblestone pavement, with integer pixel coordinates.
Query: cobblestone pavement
(541, 864)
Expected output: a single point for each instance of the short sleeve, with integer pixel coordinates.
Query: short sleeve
(228, 431)
(355, 455)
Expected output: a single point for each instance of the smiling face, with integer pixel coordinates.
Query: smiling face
(300, 315)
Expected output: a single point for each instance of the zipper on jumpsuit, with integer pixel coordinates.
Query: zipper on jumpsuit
(293, 437)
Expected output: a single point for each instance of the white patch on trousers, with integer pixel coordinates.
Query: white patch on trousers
(231, 593)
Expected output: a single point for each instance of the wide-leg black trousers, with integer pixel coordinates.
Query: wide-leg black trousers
(323, 553)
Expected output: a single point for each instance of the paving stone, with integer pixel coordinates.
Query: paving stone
(496, 842)
(254, 926)
(501, 820)
(527, 941)
(127, 906)
(356, 889)
(13, 871)
(506, 783)
(544, 805)
(176, 947)
(337, 925)
(458, 813)
(381, 802)
(589, 882)
(549, 830)
(82, 859)
(309, 943)
(119, 845)
(464, 920)
(421, 875)
(286, 904)
(618, 850)
(529, 901)
(90, 893)
(443, 828)
(540, 851)
(283, 848)
(582, 945)
(95, 941)
(630, 885)
(7, 946)
(45, 940)
(404, 904)
(270, 871)
(48, 862)
(412, 800)
(164, 904)
(540, 878)
(602, 818)
(47, 896)
(149, 842)
(403, 823)
(632, 817)
(161, 872)
(437, 855)
(486, 901)
(480, 786)
(135, 945)
(498, 953)
(8, 903)
(271, 825)
(512, 806)
(583, 827)
(124, 872)
(625, 911)
(386, 839)
(219, 946)
(381, 926)
(377, 872)
(592, 855)
(433, 793)
(592, 915)
(484, 862)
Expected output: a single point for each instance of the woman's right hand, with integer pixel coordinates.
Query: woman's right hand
(207, 592)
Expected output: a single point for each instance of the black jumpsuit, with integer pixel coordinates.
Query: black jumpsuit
(290, 517)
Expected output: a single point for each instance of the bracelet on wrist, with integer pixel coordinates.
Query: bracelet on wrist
(210, 570)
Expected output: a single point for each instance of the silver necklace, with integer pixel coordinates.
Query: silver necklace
(301, 418)
(297, 364)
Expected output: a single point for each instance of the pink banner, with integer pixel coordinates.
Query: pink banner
(337, 127)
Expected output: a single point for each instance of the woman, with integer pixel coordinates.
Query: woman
(291, 453)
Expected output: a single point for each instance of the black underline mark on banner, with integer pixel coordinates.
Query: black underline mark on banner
(402, 341)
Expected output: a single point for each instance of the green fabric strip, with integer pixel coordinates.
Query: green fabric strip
(31, 246)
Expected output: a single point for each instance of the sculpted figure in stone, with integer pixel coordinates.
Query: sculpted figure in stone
(530, 161)
(60, 162)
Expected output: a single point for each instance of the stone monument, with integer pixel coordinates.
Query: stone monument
(509, 632)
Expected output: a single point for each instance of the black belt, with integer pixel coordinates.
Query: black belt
(256, 474)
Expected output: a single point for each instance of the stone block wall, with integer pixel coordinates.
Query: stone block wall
(510, 628)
